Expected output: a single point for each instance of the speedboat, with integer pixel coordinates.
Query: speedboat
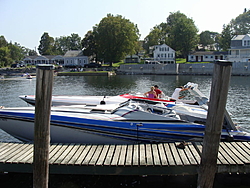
(128, 123)
(58, 100)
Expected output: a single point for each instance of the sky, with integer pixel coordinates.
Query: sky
(25, 21)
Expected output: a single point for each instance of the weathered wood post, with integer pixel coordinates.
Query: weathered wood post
(44, 83)
(215, 117)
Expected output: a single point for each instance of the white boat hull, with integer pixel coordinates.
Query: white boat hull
(59, 134)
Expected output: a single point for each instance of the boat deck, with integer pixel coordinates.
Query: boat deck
(138, 159)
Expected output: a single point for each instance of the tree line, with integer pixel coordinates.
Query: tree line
(115, 37)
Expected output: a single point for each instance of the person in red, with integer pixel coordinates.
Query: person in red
(159, 93)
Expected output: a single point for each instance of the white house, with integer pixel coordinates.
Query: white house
(240, 49)
(164, 54)
(207, 56)
(75, 58)
(46, 59)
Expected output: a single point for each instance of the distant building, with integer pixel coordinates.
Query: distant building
(163, 54)
(207, 56)
(72, 58)
(75, 58)
(132, 59)
(45, 59)
(240, 49)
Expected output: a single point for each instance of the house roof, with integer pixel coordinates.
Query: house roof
(238, 37)
(73, 53)
(52, 57)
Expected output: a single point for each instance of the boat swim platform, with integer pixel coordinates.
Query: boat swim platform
(136, 159)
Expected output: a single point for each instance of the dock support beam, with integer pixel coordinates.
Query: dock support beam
(215, 117)
(44, 83)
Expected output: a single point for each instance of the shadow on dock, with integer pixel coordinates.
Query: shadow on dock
(25, 180)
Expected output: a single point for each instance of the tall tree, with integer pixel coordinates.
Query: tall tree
(74, 42)
(17, 52)
(65, 43)
(207, 38)
(3, 42)
(225, 37)
(89, 44)
(46, 46)
(182, 33)
(156, 36)
(115, 37)
(241, 24)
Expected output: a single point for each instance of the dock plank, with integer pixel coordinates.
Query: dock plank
(156, 156)
(175, 153)
(195, 153)
(12, 152)
(189, 150)
(116, 156)
(82, 155)
(162, 154)
(89, 156)
(58, 152)
(77, 154)
(5, 146)
(149, 155)
(122, 158)
(129, 156)
(7, 149)
(73, 149)
(103, 155)
(136, 155)
(20, 155)
(142, 155)
(182, 155)
(233, 152)
(109, 155)
(233, 157)
(169, 155)
(64, 155)
(96, 155)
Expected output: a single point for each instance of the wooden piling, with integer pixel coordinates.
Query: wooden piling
(215, 117)
(44, 82)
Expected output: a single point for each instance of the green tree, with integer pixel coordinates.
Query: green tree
(225, 38)
(31, 52)
(3, 42)
(89, 44)
(65, 43)
(115, 37)
(207, 38)
(17, 52)
(46, 46)
(156, 36)
(74, 42)
(5, 59)
(241, 24)
(182, 33)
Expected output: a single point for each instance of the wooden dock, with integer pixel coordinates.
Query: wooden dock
(138, 159)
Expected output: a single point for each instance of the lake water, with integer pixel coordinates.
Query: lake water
(237, 102)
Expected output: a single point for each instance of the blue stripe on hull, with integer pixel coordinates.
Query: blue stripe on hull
(132, 131)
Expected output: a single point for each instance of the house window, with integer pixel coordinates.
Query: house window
(206, 56)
